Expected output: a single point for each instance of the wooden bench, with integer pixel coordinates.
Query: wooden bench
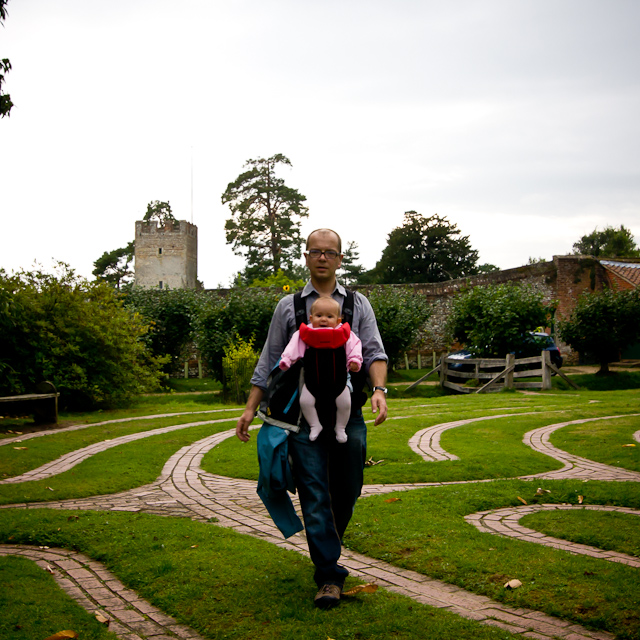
(43, 405)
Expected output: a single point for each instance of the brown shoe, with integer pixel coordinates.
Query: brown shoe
(328, 596)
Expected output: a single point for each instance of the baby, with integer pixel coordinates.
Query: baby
(328, 349)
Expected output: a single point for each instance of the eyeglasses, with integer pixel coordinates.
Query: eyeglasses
(315, 254)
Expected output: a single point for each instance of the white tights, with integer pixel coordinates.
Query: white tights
(343, 410)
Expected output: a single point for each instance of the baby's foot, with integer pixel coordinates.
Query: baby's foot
(314, 432)
(341, 435)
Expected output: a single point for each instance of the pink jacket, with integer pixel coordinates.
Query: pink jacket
(297, 347)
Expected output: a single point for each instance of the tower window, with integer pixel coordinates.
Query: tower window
(160, 251)
(160, 285)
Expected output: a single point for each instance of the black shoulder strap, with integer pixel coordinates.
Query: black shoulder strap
(300, 308)
(347, 308)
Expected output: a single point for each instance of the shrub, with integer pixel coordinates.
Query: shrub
(494, 320)
(238, 363)
(75, 333)
(400, 313)
(242, 312)
(171, 315)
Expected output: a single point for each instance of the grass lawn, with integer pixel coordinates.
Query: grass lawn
(234, 586)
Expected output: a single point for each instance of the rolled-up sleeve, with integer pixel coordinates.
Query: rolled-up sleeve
(282, 326)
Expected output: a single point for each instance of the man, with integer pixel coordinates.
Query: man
(328, 475)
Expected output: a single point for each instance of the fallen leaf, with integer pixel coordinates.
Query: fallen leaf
(62, 635)
(70, 518)
(49, 569)
(370, 587)
(194, 546)
(580, 499)
(100, 618)
(624, 445)
(43, 547)
(394, 500)
(513, 584)
(541, 491)
(521, 500)
(50, 489)
(371, 462)
(19, 448)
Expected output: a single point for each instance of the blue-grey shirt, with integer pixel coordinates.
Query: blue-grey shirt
(283, 326)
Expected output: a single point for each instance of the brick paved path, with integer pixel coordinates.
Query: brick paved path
(185, 490)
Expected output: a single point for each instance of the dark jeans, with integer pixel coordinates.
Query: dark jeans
(328, 476)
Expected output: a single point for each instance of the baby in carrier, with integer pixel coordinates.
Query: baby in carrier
(328, 349)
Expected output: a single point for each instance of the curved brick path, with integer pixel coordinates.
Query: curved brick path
(96, 589)
(185, 490)
(504, 522)
(575, 466)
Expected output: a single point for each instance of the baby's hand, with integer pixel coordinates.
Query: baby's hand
(353, 366)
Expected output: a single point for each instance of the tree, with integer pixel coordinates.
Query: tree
(602, 324)
(494, 320)
(424, 250)
(608, 243)
(160, 211)
(350, 270)
(5, 67)
(114, 266)
(265, 218)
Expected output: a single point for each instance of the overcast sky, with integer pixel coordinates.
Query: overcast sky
(518, 120)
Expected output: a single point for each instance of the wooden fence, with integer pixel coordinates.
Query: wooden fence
(495, 374)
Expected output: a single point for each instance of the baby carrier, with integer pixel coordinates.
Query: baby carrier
(280, 405)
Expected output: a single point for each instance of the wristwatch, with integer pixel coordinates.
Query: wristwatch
(383, 389)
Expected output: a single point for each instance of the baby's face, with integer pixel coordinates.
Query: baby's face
(324, 314)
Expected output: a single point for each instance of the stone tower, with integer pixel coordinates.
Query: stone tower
(166, 256)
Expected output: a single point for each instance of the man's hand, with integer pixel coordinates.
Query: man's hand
(379, 406)
(378, 373)
(242, 426)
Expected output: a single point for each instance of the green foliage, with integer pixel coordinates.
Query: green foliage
(608, 243)
(114, 266)
(424, 250)
(487, 267)
(246, 312)
(238, 363)
(170, 314)
(265, 218)
(602, 323)
(400, 313)
(74, 333)
(160, 211)
(494, 320)
(280, 280)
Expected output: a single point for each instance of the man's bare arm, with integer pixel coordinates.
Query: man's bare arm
(253, 402)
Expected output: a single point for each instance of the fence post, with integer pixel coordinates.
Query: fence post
(406, 361)
(508, 379)
(443, 370)
(199, 368)
(419, 361)
(186, 369)
(546, 370)
(434, 359)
